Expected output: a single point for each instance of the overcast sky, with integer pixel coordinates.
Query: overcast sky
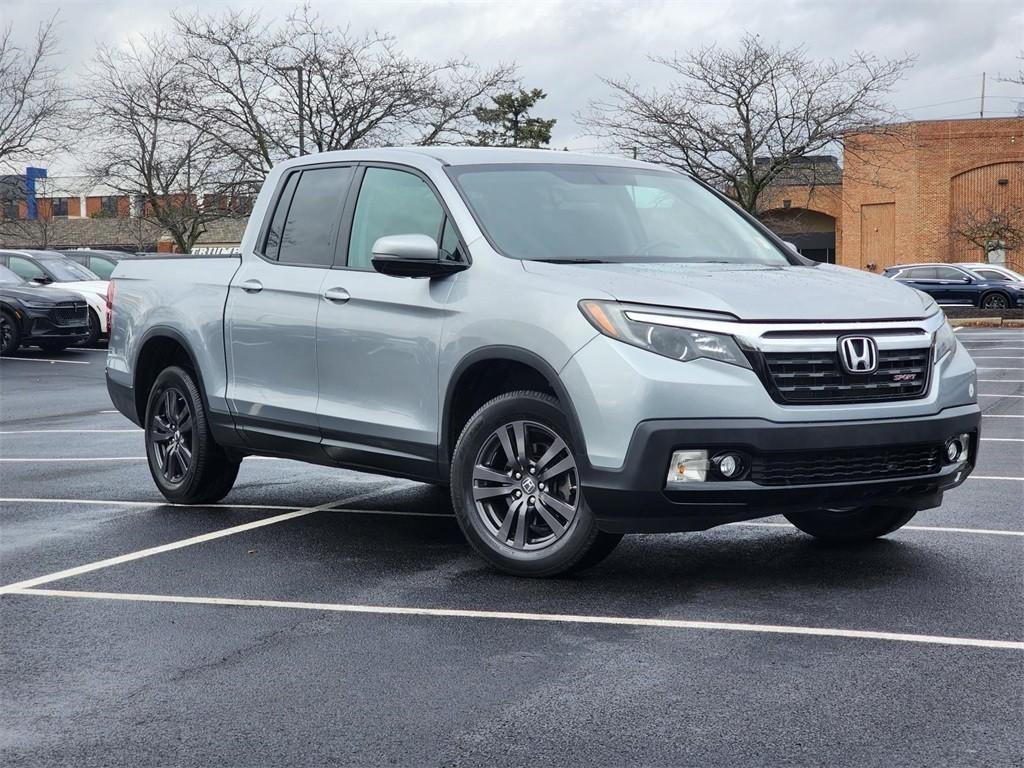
(564, 47)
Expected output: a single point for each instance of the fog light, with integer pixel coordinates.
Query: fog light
(952, 451)
(688, 467)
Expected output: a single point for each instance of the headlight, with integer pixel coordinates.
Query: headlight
(611, 319)
(945, 340)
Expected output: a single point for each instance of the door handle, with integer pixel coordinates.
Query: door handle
(336, 295)
(251, 286)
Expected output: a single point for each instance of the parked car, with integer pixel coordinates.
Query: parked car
(961, 284)
(578, 347)
(994, 272)
(101, 263)
(31, 315)
(51, 267)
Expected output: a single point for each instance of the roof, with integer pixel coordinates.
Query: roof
(471, 156)
(811, 170)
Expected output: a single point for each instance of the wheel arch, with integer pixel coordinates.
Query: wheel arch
(161, 347)
(479, 368)
(990, 291)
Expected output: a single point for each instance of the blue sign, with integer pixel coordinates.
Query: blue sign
(31, 207)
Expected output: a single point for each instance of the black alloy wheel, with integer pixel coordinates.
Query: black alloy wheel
(172, 435)
(525, 485)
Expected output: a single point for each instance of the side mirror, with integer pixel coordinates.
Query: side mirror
(42, 280)
(411, 256)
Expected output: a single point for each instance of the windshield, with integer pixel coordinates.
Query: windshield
(603, 213)
(67, 271)
(9, 278)
(1003, 273)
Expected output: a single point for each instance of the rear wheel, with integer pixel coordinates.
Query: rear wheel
(516, 489)
(851, 526)
(186, 464)
(10, 336)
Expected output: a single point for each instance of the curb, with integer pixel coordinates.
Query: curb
(980, 322)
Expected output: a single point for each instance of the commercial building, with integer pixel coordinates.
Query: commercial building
(943, 190)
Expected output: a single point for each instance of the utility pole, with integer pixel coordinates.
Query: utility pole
(302, 133)
(982, 94)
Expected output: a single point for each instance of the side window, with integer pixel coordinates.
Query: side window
(311, 223)
(272, 245)
(919, 273)
(391, 203)
(948, 273)
(25, 268)
(101, 267)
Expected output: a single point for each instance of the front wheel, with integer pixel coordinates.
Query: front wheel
(995, 301)
(94, 330)
(10, 335)
(851, 526)
(516, 489)
(186, 464)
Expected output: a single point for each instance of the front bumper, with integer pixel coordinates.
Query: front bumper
(39, 326)
(634, 499)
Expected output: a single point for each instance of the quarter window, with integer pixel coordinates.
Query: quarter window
(391, 202)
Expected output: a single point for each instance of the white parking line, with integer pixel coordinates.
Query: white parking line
(1003, 439)
(1001, 416)
(66, 431)
(45, 360)
(116, 503)
(929, 528)
(1003, 368)
(1002, 381)
(51, 459)
(95, 566)
(996, 357)
(990, 394)
(996, 477)
(559, 618)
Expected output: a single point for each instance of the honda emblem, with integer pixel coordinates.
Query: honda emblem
(858, 354)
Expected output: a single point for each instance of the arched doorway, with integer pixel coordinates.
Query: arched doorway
(812, 232)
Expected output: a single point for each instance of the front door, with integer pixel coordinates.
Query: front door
(271, 314)
(378, 336)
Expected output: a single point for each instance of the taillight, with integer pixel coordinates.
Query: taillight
(110, 305)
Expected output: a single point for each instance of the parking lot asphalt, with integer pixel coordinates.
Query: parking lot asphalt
(328, 617)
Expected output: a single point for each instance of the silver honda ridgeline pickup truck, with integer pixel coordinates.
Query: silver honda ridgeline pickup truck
(579, 347)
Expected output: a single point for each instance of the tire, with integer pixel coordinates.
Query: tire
(10, 334)
(854, 527)
(51, 346)
(94, 330)
(558, 533)
(186, 464)
(995, 300)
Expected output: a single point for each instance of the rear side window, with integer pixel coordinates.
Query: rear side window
(305, 222)
(919, 273)
(101, 267)
(948, 273)
(391, 203)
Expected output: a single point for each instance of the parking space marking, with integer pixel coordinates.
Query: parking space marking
(930, 528)
(1001, 416)
(1003, 439)
(111, 503)
(558, 618)
(1004, 368)
(1002, 381)
(182, 543)
(67, 431)
(995, 477)
(52, 459)
(996, 357)
(991, 394)
(46, 360)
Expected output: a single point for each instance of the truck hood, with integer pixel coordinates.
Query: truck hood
(42, 295)
(748, 291)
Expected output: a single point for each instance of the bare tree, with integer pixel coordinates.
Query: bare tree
(990, 226)
(146, 151)
(738, 119)
(33, 99)
(356, 91)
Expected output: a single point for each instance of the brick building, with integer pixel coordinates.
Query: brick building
(903, 191)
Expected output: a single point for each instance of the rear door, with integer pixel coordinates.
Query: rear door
(378, 336)
(271, 312)
(923, 279)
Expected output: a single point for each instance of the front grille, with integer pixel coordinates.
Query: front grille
(817, 377)
(69, 313)
(846, 465)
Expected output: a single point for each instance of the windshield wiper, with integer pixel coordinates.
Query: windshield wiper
(573, 261)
